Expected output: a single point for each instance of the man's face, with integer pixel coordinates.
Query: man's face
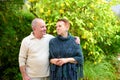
(41, 28)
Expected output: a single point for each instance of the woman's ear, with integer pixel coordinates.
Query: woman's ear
(67, 26)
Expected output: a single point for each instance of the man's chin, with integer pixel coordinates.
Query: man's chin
(44, 33)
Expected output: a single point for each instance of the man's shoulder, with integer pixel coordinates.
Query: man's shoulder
(49, 36)
(26, 39)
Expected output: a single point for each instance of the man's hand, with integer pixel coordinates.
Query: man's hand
(77, 39)
(26, 78)
(24, 74)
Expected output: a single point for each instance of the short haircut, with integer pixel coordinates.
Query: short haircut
(65, 21)
(35, 22)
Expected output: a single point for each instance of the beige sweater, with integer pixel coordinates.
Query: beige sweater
(34, 54)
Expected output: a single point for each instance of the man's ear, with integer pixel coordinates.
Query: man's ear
(33, 28)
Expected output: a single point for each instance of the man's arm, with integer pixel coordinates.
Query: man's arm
(24, 74)
(22, 59)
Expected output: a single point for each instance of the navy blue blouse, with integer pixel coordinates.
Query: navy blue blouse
(60, 47)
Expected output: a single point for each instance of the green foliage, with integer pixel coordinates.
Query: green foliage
(15, 25)
(113, 59)
(100, 71)
(92, 20)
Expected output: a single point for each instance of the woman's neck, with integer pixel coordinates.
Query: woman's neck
(65, 35)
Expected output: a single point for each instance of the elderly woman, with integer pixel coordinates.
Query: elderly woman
(66, 58)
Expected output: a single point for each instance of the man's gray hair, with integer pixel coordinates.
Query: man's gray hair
(35, 22)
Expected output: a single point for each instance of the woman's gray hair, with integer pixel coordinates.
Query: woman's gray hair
(35, 22)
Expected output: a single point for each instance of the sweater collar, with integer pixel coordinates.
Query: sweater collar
(64, 38)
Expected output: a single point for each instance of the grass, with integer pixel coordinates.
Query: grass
(100, 71)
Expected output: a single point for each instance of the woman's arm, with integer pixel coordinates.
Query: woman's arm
(62, 61)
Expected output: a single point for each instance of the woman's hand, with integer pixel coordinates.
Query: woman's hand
(61, 61)
(54, 61)
(58, 61)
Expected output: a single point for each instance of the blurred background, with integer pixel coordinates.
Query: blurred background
(95, 22)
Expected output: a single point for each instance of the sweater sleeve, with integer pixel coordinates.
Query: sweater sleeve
(79, 56)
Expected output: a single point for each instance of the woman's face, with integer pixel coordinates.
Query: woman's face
(61, 28)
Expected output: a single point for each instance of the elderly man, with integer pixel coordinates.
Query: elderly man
(33, 55)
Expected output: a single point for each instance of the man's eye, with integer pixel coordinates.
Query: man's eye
(43, 26)
(60, 25)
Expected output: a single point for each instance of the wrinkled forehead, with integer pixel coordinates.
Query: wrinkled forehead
(41, 22)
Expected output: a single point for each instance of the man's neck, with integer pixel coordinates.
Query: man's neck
(38, 36)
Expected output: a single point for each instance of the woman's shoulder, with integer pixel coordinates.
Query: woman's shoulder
(53, 40)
